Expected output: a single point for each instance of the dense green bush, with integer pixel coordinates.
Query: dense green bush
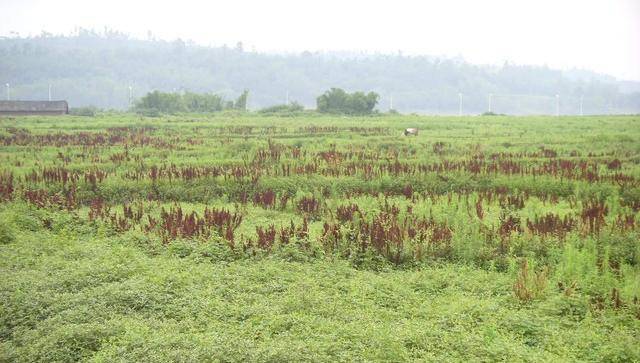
(156, 102)
(283, 110)
(338, 101)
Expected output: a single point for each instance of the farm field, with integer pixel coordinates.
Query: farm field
(240, 237)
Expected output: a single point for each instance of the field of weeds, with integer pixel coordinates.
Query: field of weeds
(238, 237)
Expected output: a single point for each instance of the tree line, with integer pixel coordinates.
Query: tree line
(157, 102)
(89, 68)
(335, 101)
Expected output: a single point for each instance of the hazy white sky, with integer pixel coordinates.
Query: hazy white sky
(601, 35)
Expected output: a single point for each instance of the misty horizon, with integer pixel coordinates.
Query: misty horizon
(97, 69)
(338, 53)
(603, 37)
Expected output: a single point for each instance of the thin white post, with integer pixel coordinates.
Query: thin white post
(49, 91)
(130, 95)
(390, 102)
(581, 102)
(490, 102)
(460, 106)
(557, 105)
(8, 92)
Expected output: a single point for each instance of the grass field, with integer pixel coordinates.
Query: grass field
(238, 237)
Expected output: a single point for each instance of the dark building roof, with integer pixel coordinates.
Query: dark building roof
(34, 107)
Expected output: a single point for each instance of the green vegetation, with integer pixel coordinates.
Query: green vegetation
(335, 101)
(283, 110)
(97, 69)
(84, 111)
(254, 237)
(338, 101)
(156, 102)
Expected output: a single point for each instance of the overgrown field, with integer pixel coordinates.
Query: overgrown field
(238, 237)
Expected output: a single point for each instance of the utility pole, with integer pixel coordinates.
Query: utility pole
(581, 102)
(49, 91)
(8, 92)
(130, 96)
(490, 101)
(557, 105)
(460, 106)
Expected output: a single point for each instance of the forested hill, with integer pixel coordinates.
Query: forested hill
(91, 69)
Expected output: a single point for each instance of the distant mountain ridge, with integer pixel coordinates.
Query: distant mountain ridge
(98, 69)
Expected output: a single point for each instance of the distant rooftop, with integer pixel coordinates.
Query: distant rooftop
(33, 107)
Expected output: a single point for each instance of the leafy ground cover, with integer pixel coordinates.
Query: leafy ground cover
(238, 237)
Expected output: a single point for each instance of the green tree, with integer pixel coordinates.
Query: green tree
(241, 101)
(203, 102)
(336, 100)
(161, 102)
